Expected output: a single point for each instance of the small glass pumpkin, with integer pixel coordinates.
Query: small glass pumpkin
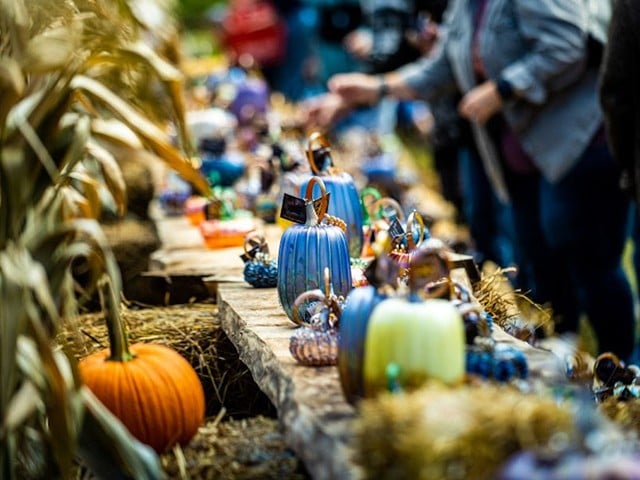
(406, 242)
(315, 342)
(260, 270)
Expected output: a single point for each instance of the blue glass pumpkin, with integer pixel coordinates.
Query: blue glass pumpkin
(306, 250)
(353, 330)
(345, 199)
(220, 166)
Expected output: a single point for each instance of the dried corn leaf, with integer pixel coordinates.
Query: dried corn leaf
(111, 173)
(148, 131)
(12, 86)
(50, 51)
(89, 188)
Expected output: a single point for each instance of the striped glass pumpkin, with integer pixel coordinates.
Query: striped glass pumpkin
(353, 330)
(345, 199)
(306, 250)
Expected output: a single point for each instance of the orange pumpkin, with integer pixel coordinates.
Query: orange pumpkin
(151, 388)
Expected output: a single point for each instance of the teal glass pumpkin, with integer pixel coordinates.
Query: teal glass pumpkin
(306, 250)
(353, 329)
(345, 199)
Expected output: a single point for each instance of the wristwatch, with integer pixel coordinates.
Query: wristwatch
(505, 89)
(383, 87)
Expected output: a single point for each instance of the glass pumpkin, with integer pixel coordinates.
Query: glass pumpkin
(413, 337)
(382, 277)
(315, 343)
(219, 165)
(260, 270)
(353, 330)
(345, 200)
(307, 249)
(421, 339)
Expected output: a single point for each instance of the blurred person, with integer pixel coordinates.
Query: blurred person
(531, 97)
(396, 33)
(335, 20)
(289, 76)
(381, 44)
(620, 100)
(459, 166)
(620, 92)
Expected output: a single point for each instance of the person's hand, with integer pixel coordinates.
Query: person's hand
(324, 110)
(356, 88)
(359, 43)
(481, 103)
(425, 38)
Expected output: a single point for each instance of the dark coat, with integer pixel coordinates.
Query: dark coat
(620, 91)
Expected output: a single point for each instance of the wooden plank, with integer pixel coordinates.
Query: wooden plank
(183, 250)
(317, 421)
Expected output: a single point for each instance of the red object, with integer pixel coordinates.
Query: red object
(253, 27)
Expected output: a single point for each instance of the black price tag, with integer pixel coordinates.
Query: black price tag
(294, 208)
(396, 230)
(250, 254)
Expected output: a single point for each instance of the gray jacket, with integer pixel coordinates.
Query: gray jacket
(539, 47)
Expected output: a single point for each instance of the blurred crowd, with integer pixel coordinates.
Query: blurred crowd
(533, 123)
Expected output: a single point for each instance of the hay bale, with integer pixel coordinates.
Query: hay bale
(444, 433)
(252, 448)
(624, 413)
(194, 332)
(512, 310)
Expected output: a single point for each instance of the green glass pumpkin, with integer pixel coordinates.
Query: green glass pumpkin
(306, 250)
(345, 200)
(414, 337)
(422, 339)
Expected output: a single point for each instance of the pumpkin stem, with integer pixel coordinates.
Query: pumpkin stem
(312, 216)
(118, 340)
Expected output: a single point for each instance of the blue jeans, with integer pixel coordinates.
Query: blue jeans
(573, 232)
(490, 221)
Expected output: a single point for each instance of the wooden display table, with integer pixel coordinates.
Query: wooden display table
(315, 417)
(316, 420)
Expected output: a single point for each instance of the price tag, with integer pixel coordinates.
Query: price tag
(250, 254)
(294, 208)
(396, 230)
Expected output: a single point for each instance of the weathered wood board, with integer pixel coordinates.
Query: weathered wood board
(312, 410)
